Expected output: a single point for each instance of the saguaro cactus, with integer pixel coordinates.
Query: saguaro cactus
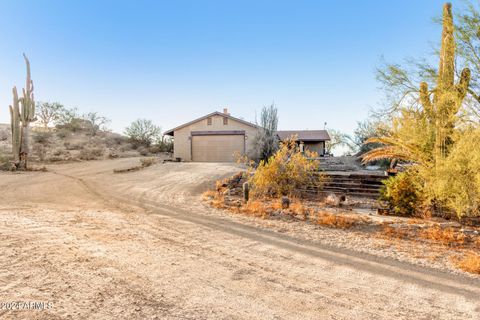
(448, 96)
(22, 113)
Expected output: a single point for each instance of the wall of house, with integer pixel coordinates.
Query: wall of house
(318, 147)
(182, 137)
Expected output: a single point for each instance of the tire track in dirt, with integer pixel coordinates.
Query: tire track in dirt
(427, 277)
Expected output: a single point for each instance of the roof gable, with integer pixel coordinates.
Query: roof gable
(216, 113)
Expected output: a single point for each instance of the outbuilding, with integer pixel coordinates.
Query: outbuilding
(216, 137)
(312, 140)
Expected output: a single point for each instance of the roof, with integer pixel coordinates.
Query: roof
(216, 113)
(305, 135)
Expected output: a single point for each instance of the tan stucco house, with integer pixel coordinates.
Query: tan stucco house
(219, 137)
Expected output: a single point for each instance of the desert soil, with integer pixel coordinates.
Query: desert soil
(141, 245)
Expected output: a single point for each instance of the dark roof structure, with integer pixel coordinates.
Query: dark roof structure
(216, 113)
(305, 135)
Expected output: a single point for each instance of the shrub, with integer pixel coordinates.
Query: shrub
(4, 134)
(338, 221)
(445, 236)
(116, 140)
(287, 171)
(40, 151)
(458, 176)
(147, 162)
(74, 146)
(403, 193)
(91, 153)
(143, 151)
(470, 263)
(143, 132)
(42, 137)
(62, 133)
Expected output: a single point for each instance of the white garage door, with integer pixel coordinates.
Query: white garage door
(217, 148)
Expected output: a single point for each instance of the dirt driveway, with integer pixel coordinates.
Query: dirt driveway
(140, 245)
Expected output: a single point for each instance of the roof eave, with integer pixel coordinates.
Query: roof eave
(216, 113)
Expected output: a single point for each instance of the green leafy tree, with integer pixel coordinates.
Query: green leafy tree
(143, 132)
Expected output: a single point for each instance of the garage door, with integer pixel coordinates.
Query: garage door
(217, 148)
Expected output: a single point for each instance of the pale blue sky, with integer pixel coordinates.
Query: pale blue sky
(173, 61)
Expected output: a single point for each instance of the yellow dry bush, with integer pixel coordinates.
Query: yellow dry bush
(286, 172)
(458, 176)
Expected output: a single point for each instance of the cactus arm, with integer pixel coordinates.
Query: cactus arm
(15, 126)
(425, 100)
(463, 84)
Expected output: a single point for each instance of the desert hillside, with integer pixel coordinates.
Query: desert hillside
(62, 144)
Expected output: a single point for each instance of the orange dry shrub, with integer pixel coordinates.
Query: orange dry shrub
(338, 221)
(257, 208)
(215, 199)
(446, 236)
(470, 263)
(392, 232)
(297, 208)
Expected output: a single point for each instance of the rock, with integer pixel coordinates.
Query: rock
(383, 211)
(332, 199)
(285, 202)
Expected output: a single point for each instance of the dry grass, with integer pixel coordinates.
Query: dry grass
(447, 236)
(214, 198)
(257, 208)
(339, 221)
(470, 263)
(394, 233)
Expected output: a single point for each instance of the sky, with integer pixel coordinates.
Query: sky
(174, 61)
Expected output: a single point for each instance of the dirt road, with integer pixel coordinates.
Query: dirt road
(98, 245)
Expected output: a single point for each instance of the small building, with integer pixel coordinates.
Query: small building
(312, 140)
(219, 137)
(216, 137)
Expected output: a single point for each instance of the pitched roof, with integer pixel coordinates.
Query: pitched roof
(305, 135)
(216, 113)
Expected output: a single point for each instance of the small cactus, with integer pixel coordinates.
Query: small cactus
(285, 203)
(246, 191)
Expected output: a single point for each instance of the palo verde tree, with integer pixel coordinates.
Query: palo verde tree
(436, 116)
(426, 135)
(48, 113)
(143, 132)
(22, 113)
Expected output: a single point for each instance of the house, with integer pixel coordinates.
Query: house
(312, 140)
(216, 137)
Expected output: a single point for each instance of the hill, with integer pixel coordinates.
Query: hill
(70, 145)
